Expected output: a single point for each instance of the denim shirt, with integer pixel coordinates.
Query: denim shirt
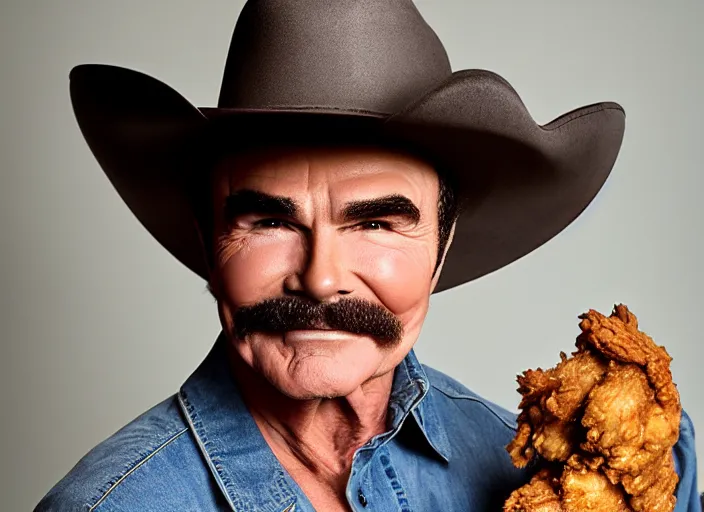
(201, 450)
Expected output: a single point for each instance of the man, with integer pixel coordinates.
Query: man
(346, 175)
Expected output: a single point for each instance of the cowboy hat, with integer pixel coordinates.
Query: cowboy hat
(360, 68)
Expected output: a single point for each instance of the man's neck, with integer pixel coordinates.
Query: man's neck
(317, 436)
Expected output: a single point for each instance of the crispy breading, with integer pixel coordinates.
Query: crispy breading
(538, 495)
(626, 424)
(551, 400)
(608, 416)
(590, 491)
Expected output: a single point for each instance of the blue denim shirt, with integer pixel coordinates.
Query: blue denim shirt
(200, 450)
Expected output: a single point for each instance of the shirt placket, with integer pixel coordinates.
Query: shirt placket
(374, 483)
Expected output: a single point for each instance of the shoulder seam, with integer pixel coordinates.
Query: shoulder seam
(136, 466)
(474, 399)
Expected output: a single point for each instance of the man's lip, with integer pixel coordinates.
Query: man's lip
(316, 334)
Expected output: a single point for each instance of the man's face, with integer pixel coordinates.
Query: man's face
(355, 227)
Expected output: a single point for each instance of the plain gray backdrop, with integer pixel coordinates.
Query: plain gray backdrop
(98, 323)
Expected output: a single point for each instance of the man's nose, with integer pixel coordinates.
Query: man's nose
(322, 276)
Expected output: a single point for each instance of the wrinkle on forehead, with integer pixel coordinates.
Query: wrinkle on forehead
(357, 160)
(312, 174)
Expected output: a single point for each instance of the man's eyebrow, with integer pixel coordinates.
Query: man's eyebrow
(247, 201)
(394, 205)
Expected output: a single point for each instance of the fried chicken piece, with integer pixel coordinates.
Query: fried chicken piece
(590, 491)
(538, 495)
(633, 416)
(576, 490)
(658, 496)
(626, 424)
(551, 399)
(610, 414)
(555, 440)
(617, 337)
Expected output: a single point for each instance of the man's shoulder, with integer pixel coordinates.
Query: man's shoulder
(469, 403)
(117, 459)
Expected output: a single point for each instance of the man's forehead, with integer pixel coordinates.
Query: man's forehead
(350, 160)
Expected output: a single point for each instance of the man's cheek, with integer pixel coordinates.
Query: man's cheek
(257, 272)
(401, 279)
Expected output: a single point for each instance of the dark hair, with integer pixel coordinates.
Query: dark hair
(448, 211)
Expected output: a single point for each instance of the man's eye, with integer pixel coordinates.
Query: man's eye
(375, 225)
(270, 223)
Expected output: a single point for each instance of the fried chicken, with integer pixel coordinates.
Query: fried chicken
(538, 495)
(602, 422)
(586, 490)
(551, 400)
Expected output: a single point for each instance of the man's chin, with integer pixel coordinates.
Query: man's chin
(316, 381)
(310, 389)
(309, 368)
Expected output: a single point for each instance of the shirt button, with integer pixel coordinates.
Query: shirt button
(362, 498)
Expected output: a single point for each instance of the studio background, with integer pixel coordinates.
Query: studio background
(98, 323)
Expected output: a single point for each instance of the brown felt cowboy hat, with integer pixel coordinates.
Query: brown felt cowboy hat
(365, 69)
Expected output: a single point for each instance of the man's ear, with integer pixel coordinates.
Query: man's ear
(438, 271)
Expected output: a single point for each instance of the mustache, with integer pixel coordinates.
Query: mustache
(354, 315)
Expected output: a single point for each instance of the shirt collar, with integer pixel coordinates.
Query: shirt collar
(410, 393)
(228, 436)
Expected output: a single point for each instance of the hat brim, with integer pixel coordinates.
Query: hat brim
(521, 183)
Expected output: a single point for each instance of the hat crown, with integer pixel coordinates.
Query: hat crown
(360, 55)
